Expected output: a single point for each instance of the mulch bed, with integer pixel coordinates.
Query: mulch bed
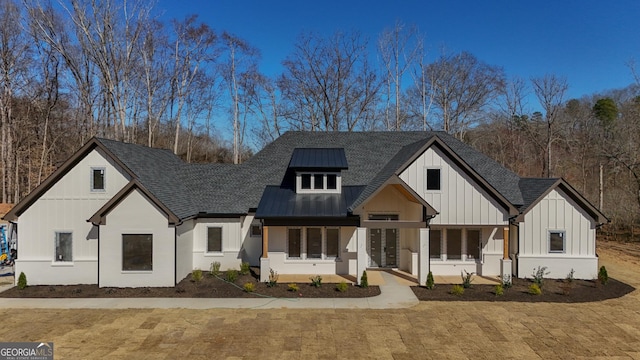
(208, 287)
(552, 291)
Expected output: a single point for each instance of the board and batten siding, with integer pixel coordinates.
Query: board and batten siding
(184, 249)
(460, 201)
(230, 257)
(136, 214)
(65, 207)
(558, 212)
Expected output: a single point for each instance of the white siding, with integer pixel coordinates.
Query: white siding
(135, 214)
(557, 211)
(66, 206)
(460, 201)
(184, 256)
(231, 255)
(251, 245)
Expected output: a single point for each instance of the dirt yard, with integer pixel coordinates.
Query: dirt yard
(432, 329)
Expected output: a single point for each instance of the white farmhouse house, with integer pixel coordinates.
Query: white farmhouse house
(124, 215)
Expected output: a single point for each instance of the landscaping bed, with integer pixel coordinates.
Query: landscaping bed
(552, 291)
(208, 287)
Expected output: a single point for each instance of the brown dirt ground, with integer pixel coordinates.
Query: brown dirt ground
(209, 287)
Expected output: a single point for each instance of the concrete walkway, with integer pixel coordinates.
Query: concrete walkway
(395, 294)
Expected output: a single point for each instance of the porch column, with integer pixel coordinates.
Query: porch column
(505, 263)
(423, 256)
(361, 252)
(264, 260)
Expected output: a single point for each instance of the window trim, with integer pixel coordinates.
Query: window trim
(104, 179)
(564, 241)
(206, 245)
(55, 247)
(312, 189)
(122, 254)
(426, 179)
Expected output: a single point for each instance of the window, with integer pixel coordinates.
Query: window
(137, 252)
(333, 243)
(294, 242)
(306, 181)
(314, 243)
(435, 250)
(454, 244)
(318, 181)
(97, 179)
(473, 244)
(64, 248)
(556, 241)
(332, 181)
(256, 230)
(384, 217)
(214, 239)
(433, 179)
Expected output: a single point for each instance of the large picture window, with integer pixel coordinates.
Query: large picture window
(137, 252)
(556, 241)
(214, 239)
(454, 244)
(473, 244)
(333, 243)
(435, 250)
(64, 247)
(294, 242)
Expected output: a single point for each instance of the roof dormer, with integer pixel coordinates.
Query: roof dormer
(318, 170)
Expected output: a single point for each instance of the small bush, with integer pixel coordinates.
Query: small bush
(232, 275)
(273, 278)
(249, 287)
(506, 282)
(570, 277)
(457, 290)
(196, 275)
(342, 286)
(215, 268)
(245, 268)
(534, 289)
(430, 283)
(316, 281)
(364, 282)
(538, 275)
(293, 287)
(603, 276)
(466, 278)
(499, 290)
(22, 281)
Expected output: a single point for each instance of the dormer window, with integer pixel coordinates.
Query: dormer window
(317, 182)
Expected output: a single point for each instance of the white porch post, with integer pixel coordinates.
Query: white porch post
(361, 252)
(423, 256)
(505, 262)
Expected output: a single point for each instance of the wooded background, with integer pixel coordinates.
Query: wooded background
(111, 69)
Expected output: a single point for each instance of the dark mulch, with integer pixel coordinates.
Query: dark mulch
(208, 287)
(552, 291)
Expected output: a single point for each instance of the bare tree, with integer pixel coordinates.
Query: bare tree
(462, 86)
(550, 91)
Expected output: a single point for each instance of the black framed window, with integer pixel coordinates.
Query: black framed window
(332, 181)
(294, 242)
(97, 179)
(314, 243)
(137, 252)
(433, 179)
(435, 249)
(556, 241)
(214, 239)
(64, 246)
(333, 243)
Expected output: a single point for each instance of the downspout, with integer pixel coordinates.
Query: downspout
(98, 255)
(514, 259)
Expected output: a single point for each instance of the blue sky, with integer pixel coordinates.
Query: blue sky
(589, 42)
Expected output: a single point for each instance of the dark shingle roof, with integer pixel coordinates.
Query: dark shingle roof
(533, 188)
(373, 157)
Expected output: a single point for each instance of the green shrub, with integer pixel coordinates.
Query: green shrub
(534, 289)
(249, 287)
(364, 281)
(499, 290)
(570, 277)
(430, 283)
(538, 275)
(316, 281)
(457, 290)
(245, 268)
(232, 275)
(342, 286)
(196, 275)
(603, 276)
(22, 281)
(466, 278)
(293, 287)
(273, 278)
(215, 268)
